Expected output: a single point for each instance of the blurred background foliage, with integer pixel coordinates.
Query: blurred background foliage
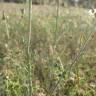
(84, 3)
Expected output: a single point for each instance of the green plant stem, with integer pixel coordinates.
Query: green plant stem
(82, 49)
(7, 29)
(28, 49)
(76, 59)
(57, 15)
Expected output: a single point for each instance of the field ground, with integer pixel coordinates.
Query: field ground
(56, 42)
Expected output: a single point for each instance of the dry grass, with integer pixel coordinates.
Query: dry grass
(50, 55)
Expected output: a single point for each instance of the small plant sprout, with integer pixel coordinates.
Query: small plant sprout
(3, 15)
(5, 18)
(22, 12)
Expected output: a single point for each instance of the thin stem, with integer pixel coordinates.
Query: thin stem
(57, 15)
(7, 30)
(82, 49)
(4, 17)
(28, 49)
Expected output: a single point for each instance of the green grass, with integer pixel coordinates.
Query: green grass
(51, 52)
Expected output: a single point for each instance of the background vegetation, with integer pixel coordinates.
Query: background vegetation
(56, 41)
(84, 3)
